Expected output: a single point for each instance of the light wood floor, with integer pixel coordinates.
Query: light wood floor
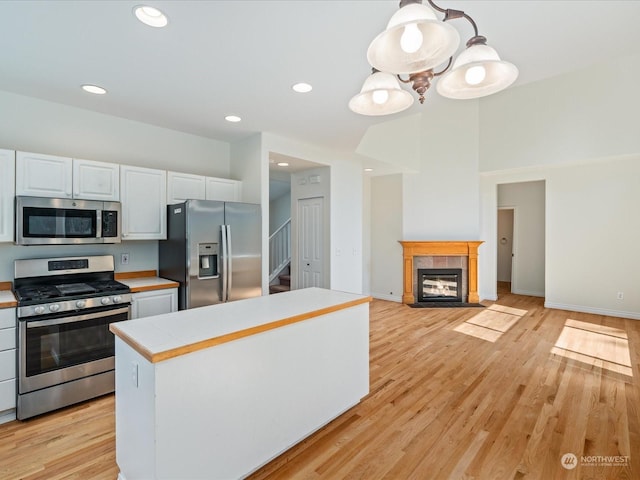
(462, 393)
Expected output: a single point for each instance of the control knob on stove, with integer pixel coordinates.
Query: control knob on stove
(104, 300)
(54, 307)
(39, 310)
(117, 299)
(81, 303)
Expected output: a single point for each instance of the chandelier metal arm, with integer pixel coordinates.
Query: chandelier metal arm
(451, 14)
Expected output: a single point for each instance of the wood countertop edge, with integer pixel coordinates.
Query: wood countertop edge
(7, 286)
(139, 274)
(145, 274)
(159, 286)
(229, 337)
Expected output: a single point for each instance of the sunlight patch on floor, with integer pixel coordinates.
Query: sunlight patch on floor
(595, 345)
(491, 323)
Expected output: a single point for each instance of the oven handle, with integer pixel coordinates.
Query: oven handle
(76, 318)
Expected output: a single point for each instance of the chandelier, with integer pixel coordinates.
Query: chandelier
(414, 43)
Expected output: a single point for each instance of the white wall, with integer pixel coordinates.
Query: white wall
(441, 202)
(346, 206)
(143, 255)
(279, 211)
(396, 142)
(34, 125)
(386, 231)
(593, 237)
(246, 164)
(579, 133)
(366, 234)
(582, 115)
(528, 198)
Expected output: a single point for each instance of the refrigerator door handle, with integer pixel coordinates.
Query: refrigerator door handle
(225, 257)
(229, 263)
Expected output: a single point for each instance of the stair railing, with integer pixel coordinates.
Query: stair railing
(279, 250)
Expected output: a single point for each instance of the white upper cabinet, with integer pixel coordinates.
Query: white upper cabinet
(184, 186)
(143, 193)
(7, 182)
(96, 180)
(40, 175)
(223, 189)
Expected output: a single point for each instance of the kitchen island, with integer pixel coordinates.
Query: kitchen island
(216, 392)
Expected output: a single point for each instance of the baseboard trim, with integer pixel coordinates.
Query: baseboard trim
(595, 310)
(391, 298)
(528, 293)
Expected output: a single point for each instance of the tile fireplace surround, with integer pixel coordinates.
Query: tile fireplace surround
(455, 248)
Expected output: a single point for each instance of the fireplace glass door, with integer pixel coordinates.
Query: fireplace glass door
(439, 285)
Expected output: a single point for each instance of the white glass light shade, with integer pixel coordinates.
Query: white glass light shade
(498, 74)
(415, 40)
(371, 99)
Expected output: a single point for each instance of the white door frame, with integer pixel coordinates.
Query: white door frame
(514, 243)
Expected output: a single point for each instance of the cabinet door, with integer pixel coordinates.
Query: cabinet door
(8, 394)
(96, 180)
(144, 208)
(39, 175)
(184, 186)
(224, 189)
(7, 360)
(7, 192)
(155, 302)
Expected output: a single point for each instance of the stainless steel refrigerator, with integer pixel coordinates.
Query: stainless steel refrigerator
(213, 249)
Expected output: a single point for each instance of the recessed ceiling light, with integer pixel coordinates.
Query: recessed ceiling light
(368, 169)
(283, 164)
(150, 16)
(232, 118)
(94, 89)
(302, 87)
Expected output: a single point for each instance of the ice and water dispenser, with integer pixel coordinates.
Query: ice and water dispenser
(208, 260)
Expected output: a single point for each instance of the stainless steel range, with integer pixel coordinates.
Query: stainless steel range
(65, 349)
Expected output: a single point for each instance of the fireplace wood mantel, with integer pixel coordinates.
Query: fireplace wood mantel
(460, 248)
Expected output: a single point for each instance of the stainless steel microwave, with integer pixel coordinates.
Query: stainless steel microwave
(62, 221)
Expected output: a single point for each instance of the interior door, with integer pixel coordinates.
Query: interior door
(310, 242)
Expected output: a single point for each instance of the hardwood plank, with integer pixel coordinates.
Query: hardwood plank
(442, 404)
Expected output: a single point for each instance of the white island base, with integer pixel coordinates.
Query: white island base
(216, 392)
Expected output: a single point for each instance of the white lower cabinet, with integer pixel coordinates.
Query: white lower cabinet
(7, 364)
(154, 302)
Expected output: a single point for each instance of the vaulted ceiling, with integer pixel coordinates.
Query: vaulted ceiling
(217, 57)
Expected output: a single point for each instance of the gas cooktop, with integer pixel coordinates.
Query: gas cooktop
(39, 293)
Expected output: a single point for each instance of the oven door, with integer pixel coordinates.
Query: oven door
(57, 350)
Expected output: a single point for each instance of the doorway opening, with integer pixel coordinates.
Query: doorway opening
(521, 239)
(506, 216)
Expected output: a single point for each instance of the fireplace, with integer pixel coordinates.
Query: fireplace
(439, 284)
(440, 254)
